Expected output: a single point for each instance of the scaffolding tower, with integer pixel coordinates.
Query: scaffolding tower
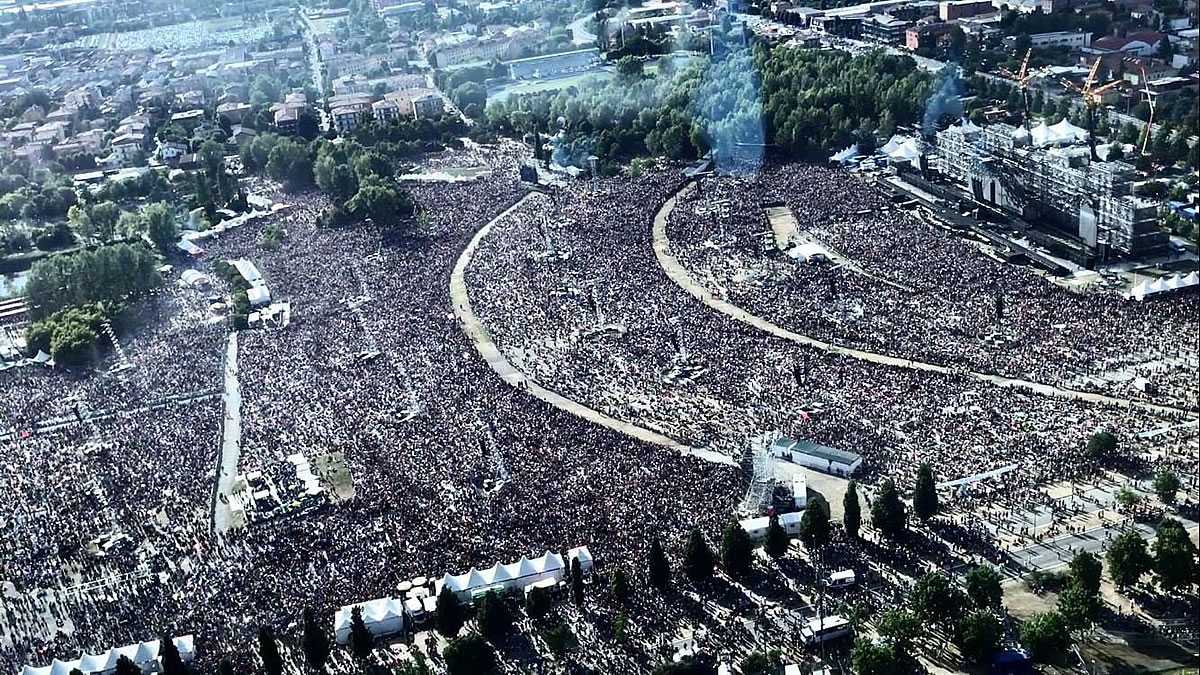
(759, 465)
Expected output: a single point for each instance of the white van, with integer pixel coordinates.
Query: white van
(842, 579)
(830, 628)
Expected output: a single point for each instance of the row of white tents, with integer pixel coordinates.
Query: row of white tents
(387, 617)
(518, 575)
(1174, 282)
(143, 654)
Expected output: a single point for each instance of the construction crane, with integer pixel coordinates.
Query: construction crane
(1149, 101)
(1092, 96)
(1023, 77)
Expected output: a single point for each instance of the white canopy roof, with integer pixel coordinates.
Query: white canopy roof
(1174, 282)
(1057, 134)
(845, 155)
(141, 653)
(382, 616)
(908, 150)
(894, 142)
(521, 573)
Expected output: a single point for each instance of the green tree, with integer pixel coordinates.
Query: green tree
(289, 163)
(1078, 607)
(314, 641)
(494, 617)
(977, 636)
(449, 616)
(870, 658)
(470, 655)
(362, 642)
(936, 599)
(160, 226)
(73, 344)
(777, 539)
(737, 551)
(815, 529)
(537, 603)
(762, 663)
(658, 569)
(621, 587)
(125, 666)
(383, 204)
(983, 587)
(1166, 485)
(268, 651)
(900, 628)
(1045, 635)
(698, 559)
(1127, 498)
(1086, 571)
(1102, 446)
(1127, 559)
(888, 512)
(851, 510)
(577, 582)
(1174, 555)
(630, 68)
(560, 639)
(225, 667)
(172, 661)
(925, 498)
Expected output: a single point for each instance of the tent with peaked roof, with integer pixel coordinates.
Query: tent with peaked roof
(845, 155)
(894, 142)
(384, 618)
(143, 654)
(517, 575)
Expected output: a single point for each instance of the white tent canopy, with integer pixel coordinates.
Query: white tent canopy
(1174, 282)
(909, 150)
(384, 617)
(808, 252)
(143, 655)
(845, 155)
(1058, 134)
(519, 574)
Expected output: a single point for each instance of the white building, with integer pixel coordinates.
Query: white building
(819, 457)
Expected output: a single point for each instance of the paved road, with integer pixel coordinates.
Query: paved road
(1059, 551)
(231, 437)
(680, 275)
(482, 340)
(580, 35)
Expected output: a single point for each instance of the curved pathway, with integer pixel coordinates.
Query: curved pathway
(681, 276)
(479, 336)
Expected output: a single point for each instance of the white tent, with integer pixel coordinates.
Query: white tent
(1058, 134)
(893, 143)
(143, 654)
(258, 296)
(907, 151)
(808, 252)
(516, 575)
(194, 278)
(845, 155)
(1175, 282)
(384, 617)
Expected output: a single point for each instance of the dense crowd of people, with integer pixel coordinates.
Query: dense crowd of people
(428, 498)
(587, 311)
(911, 289)
(114, 472)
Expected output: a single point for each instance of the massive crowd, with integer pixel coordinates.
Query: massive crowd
(110, 541)
(597, 319)
(422, 503)
(911, 289)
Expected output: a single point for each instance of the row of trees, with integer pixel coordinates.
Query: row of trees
(803, 101)
(111, 274)
(360, 182)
